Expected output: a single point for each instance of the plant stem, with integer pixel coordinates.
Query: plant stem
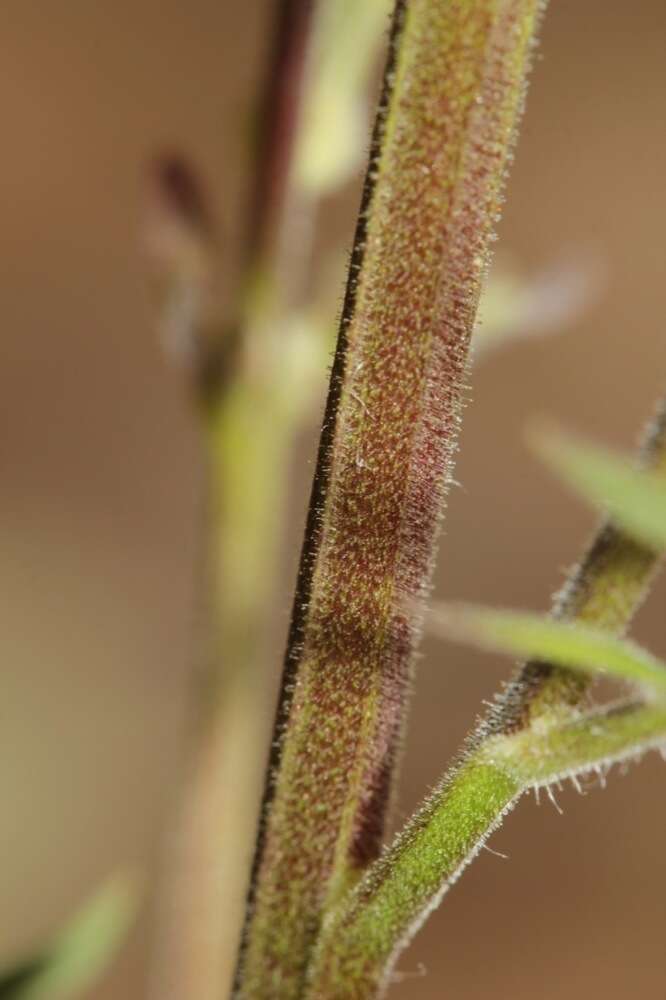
(363, 938)
(586, 744)
(209, 864)
(346, 37)
(453, 92)
(248, 421)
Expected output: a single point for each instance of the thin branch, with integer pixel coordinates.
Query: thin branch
(585, 745)
(576, 647)
(362, 940)
(346, 38)
(604, 590)
(278, 126)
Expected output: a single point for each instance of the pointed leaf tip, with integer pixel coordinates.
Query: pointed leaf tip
(82, 950)
(635, 499)
(538, 637)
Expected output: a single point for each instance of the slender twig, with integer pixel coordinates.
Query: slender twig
(247, 438)
(81, 951)
(453, 91)
(269, 199)
(363, 938)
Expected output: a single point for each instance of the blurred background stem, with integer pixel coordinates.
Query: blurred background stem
(257, 367)
(246, 450)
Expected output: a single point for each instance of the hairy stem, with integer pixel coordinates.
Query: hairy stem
(81, 951)
(453, 92)
(363, 938)
(278, 128)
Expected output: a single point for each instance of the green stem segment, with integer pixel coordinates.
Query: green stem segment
(362, 939)
(453, 93)
(82, 950)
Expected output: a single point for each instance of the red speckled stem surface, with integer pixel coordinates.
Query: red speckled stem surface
(453, 92)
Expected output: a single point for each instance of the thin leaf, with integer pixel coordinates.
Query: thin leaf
(81, 952)
(604, 590)
(347, 38)
(636, 499)
(566, 644)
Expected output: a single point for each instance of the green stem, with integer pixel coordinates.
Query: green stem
(453, 92)
(247, 447)
(362, 939)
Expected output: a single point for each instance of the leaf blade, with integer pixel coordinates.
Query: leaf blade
(566, 644)
(378, 917)
(635, 498)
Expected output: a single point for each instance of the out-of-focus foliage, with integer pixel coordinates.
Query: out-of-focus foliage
(81, 951)
(635, 498)
(566, 644)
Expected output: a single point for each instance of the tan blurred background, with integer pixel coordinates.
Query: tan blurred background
(101, 474)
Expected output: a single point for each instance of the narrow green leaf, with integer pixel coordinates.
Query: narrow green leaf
(81, 952)
(347, 38)
(515, 307)
(566, 644)
(636, 499)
